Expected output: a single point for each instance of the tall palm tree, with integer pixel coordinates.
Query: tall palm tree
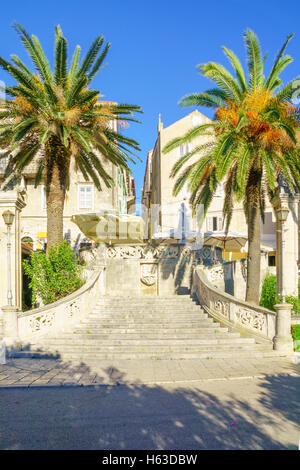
(253, 140)
(53, 117)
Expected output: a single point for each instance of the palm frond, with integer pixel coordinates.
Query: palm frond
(237, 68)
(253, 59)
(276, 69)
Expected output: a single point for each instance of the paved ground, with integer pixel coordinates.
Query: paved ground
(50, 372)
(207, 404)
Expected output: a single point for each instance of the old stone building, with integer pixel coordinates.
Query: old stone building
(158, 190)
(172, 214)
(82, 197)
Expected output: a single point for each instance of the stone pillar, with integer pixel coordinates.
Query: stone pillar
(10, 325)
(283, 340)
(288, 273)
(13, 201)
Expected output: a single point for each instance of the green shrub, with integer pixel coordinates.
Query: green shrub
(268, 292)
(269, 295)
(295, 302)
(54, 275)
(296, 336)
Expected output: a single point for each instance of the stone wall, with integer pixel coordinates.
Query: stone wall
(231, 277)
(63, 313)
(148, 270)
(229, 310)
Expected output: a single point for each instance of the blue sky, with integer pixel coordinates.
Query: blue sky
(155, 46)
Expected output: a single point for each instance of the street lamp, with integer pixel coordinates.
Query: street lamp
(8, 217)
(282, 215)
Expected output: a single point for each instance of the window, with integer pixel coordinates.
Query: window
(44, 197)
(220, 190)
(214, 223)
(85, 196)
(120, 177)
(272, 259)
(3, 163)
(184, 149)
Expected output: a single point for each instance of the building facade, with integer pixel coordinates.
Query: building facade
(172, 210)
(82, 197)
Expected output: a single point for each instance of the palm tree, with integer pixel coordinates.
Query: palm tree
(53, 117)
(253, 141)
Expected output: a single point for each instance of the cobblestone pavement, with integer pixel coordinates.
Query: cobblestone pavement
(49, 372)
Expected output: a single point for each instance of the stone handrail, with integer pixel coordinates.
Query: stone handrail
(258, 321)
(64, 312)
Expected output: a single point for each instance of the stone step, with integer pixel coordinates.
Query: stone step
(149, 305)
(146, 299)
(90, 360)
(140, 326)
(143, 316)
(145, 342)
(147, 327)
(88, 335)
(148, 311)
(144, 348)
(148, 308)
(140, 321)
(141, 330)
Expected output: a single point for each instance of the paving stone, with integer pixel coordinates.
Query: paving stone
(144, 371)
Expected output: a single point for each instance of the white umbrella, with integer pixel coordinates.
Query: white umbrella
(176, 234)
(227, 241)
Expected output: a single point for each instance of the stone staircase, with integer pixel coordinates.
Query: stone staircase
(147, 327)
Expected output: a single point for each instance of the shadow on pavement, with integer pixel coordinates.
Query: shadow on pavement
(223, 415)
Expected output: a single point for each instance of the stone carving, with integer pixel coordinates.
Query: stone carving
(111, 252)
(244, 269)
(222, 307)
(187, 251)
(207, 255)
(215, 273)
(205, 296)
(148, 274)
(72, 309)
(141, 252)
(43, 321)
(169, 252)
(250, 318)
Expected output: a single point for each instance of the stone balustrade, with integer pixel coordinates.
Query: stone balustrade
(59, 315)
(255, 320)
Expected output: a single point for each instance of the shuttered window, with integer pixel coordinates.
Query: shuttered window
(44, 198)
(183, 149)
(85, 196)
(214, 223)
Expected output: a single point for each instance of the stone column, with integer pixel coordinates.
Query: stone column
(283, 340)
(13, 201)
(288, 273)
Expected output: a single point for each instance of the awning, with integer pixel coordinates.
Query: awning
(42, 235)
(225, 240)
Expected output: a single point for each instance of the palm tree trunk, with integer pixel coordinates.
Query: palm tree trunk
(254, 256)
(57, 168)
